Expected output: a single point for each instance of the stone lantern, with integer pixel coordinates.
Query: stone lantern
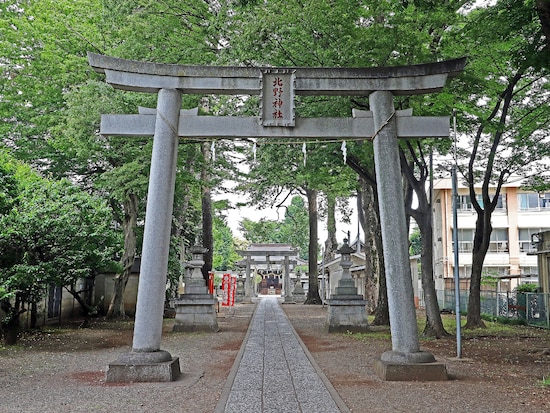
(195, 283)
(196, 309)
(346, 285)
(347, 310)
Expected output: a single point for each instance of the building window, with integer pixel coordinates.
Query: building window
(465, 240)
(525, 244)
(529, 271)
(465, 202)
(499, 240)
(534, 201)
(497, 244)
(495, 272)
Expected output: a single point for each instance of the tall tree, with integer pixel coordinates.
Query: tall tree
(207, 211)
(369, 218)
(331, 245)
(507, 114)
(53, 234)
(422, 215)
(46, 107)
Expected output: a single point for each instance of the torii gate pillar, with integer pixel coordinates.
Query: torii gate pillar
(146, 362)
(405, 361)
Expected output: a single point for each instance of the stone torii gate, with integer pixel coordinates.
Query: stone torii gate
(272, 254)
(277, 88)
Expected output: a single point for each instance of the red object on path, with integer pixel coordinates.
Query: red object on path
(211, 283)
(229, 285)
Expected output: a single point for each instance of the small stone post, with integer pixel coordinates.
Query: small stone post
(247, 282)
(404, 361)
(240, 288)
(298, 293)
(286, 282)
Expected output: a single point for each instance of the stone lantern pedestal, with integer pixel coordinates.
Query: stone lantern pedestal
(196, 308)
(299, 293)
(240, 294)
(346, 309)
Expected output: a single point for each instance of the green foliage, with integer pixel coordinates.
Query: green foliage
(494, 326)
(527, 288)
(53, 234)
(5, 294)
(8, 183)
(225, 255)
(51, 99)
(293, 229)
(415, 242)
(503, 320)
(489, 279)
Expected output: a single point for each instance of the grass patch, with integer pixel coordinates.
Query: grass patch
(374, 334)
(16, 347)
(545, 382)
(495, 327)
(503, 320)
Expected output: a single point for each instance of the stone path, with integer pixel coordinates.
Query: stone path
(274, 372)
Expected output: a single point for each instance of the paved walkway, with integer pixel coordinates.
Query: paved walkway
(274, 372)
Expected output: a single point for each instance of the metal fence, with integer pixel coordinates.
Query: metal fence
(537, 313)
(531, 307)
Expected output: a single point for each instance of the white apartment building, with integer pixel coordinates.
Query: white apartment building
(519, 214)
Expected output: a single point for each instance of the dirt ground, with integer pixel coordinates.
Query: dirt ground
(62, 369)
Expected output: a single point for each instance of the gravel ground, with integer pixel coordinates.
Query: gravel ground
(63, 369)
(494, 375)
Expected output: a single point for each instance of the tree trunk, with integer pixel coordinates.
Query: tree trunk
(434, 325)
(331, 244)
(543, 11)
(10, 324)
(313, 296)
(181, 224)
(382, 313)
(367, 219)
(482, 238)
(422, 214)
(206, 199)
(86, 305)
(374, 253)
(116, 307)
(34, 314)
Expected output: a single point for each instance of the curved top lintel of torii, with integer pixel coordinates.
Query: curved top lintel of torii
(233, 80)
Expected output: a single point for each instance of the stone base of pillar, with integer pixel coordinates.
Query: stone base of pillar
(395, 371)
(133, 367)
(416, 366)
(196, 312)
(347, 313)
(239, 296)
